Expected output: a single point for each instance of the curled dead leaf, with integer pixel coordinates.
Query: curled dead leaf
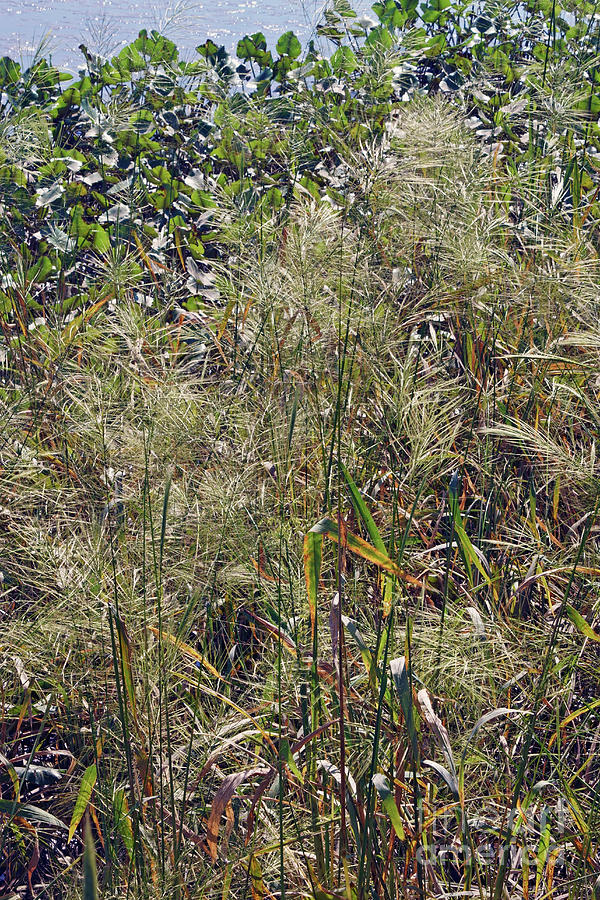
(221, 799)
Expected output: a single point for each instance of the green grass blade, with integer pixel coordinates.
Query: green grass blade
(363, 512)
(90, 875)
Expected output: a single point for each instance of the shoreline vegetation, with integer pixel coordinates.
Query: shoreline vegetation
(299, 407)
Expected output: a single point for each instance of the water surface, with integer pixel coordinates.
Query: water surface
(106, 25)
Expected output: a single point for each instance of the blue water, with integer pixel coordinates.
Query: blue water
(106, 25)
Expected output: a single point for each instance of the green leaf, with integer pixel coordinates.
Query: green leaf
(362, 511)
(99, 238)
(123, 820)
(208, 50)
(129, 60)
(580, 623)
(251, 46)
(472, 556)
(40, 270)
(83, 797)
(10, 71)
(379, 39)
(31, 813)
(125, 654)
(68, 98)
(288, 758)
(142, 121)
(360, 507)
(289, 45)
(542, 854)
(344, 61)
(388, 802)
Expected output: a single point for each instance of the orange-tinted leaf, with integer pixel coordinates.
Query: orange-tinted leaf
(221, 799)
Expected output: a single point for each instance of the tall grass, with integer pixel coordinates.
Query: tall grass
(310, 575)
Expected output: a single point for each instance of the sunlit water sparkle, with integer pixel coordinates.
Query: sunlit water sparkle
(107, 25)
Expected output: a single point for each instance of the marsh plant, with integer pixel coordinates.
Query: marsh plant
(299, 391)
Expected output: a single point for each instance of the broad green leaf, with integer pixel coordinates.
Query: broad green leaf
(344, 61)
(86, 787)
(378, 39)
(142, 121)
(40, 270)
(362, 511)
(289, 45)
(99, 238)
(542, 854)
(251, 46)
(288, 758)
(9, 71)
(471, 555)
(31, 813)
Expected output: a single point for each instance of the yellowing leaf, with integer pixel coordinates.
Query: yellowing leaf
(220, 801)
(571, 717)
(186, 650)
(313, 550)
(256, 880)
(363, 548)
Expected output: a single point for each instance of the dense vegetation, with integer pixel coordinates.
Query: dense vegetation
(299, 404)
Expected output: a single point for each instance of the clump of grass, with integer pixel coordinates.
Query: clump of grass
(309, 573)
